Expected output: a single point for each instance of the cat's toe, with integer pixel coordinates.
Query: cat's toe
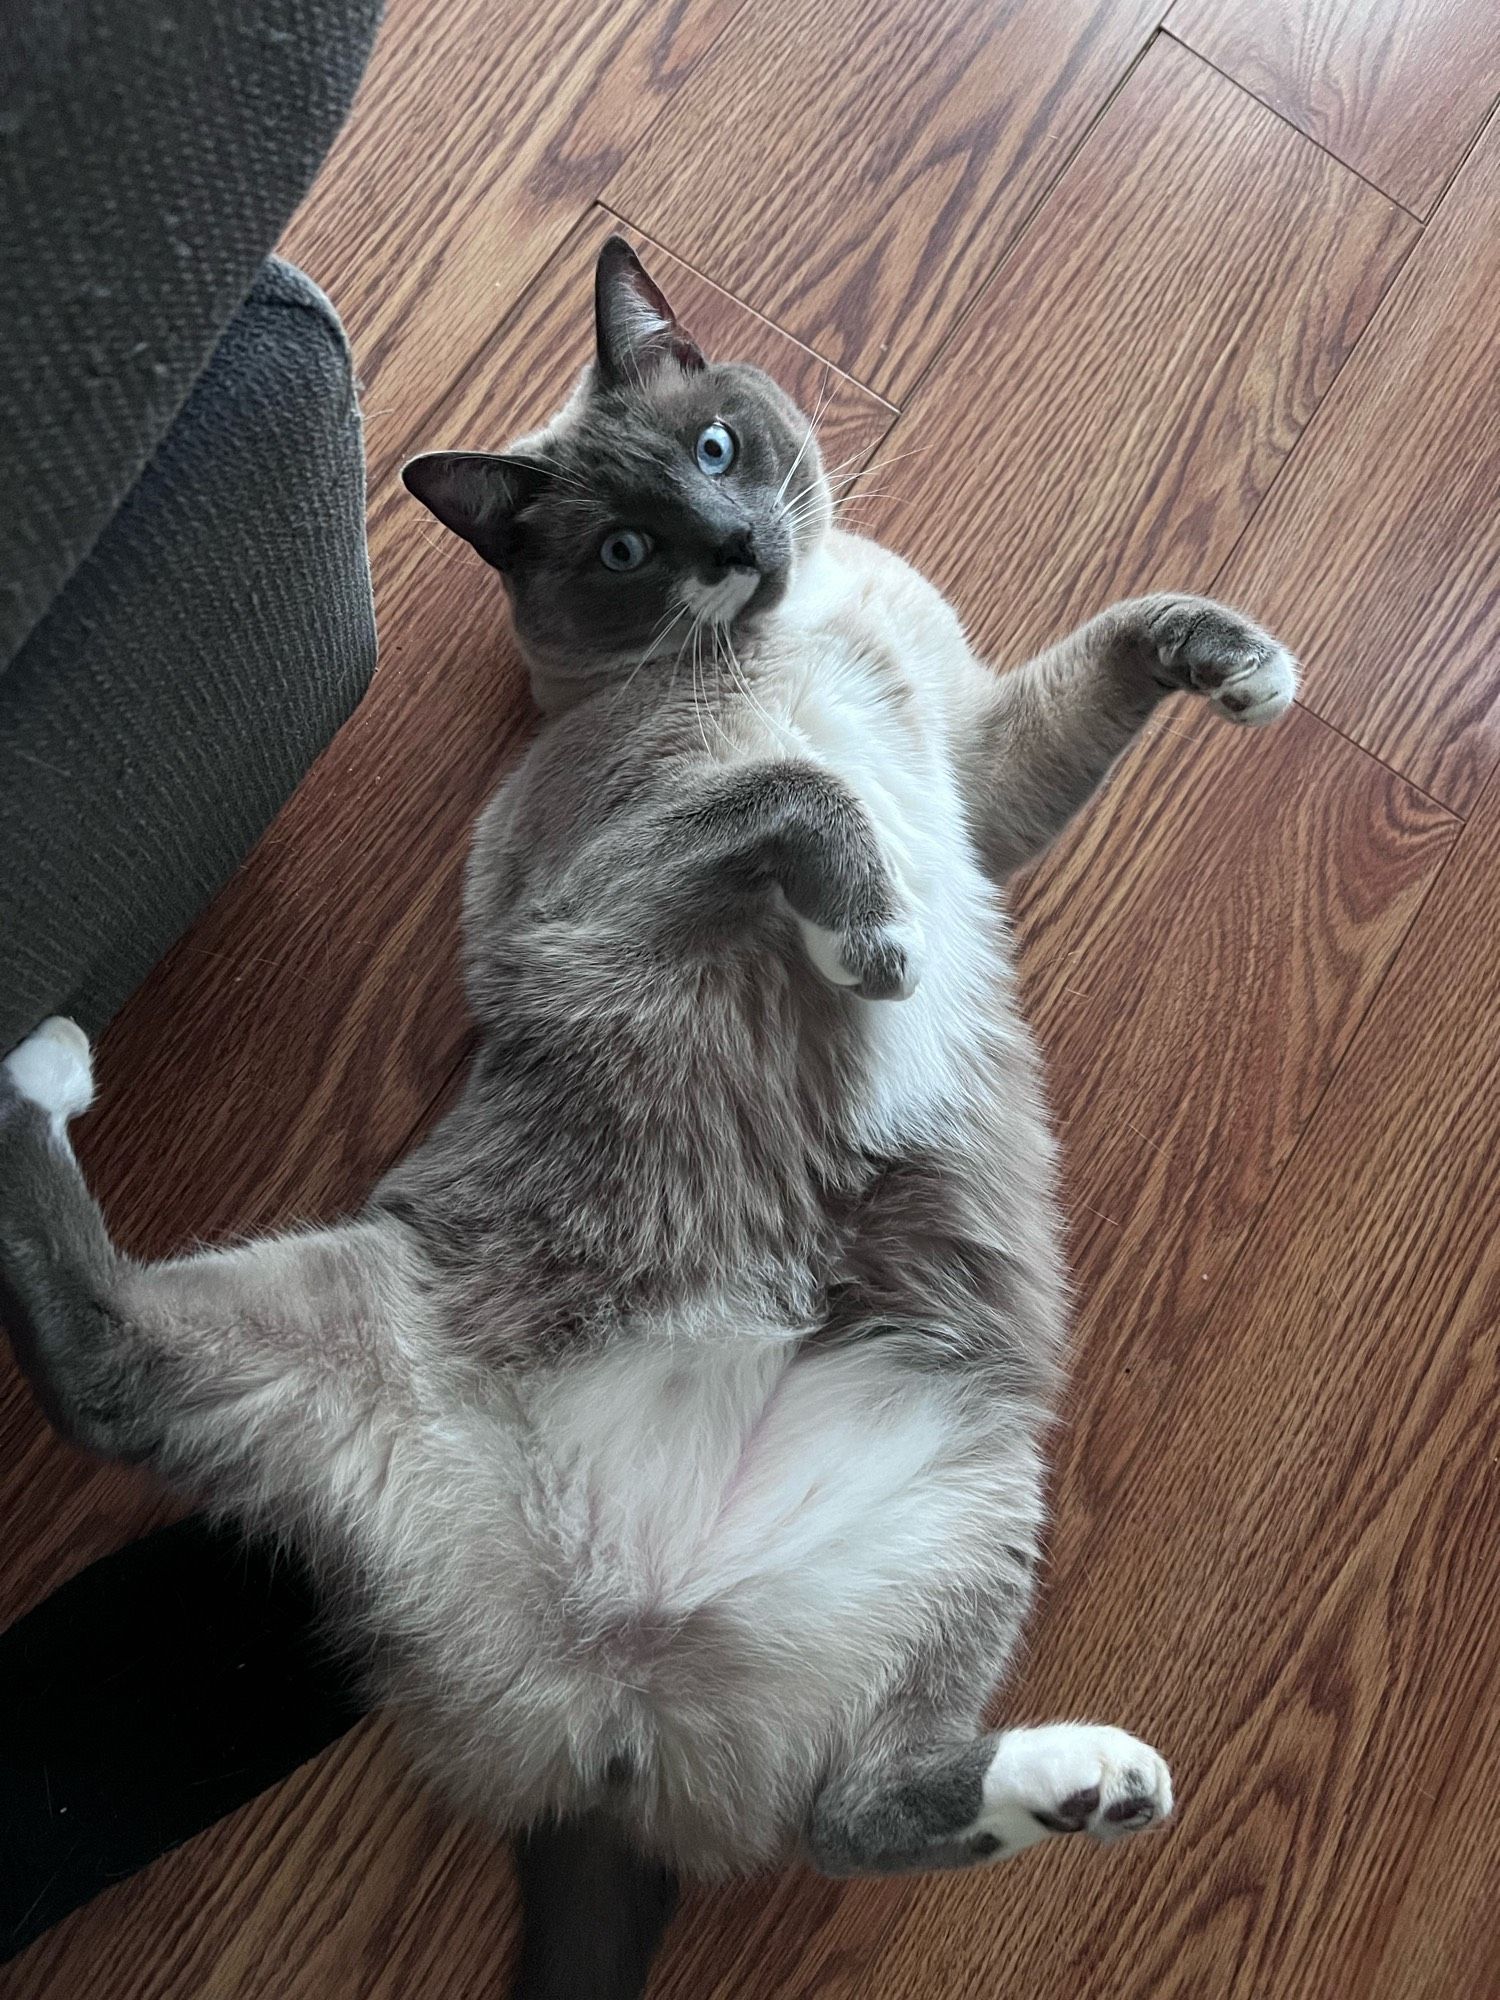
(52, 1068)
(875, 961)
(1249, 677)
(886, 960)
(1262, 689)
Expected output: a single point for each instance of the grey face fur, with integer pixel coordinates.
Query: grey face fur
(668, 1426)
(669, 488)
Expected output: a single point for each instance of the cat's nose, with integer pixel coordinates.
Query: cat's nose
(736, 552)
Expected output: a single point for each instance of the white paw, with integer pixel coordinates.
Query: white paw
(53, 1069)
(1248, 676)
(881, 962)
(1068, 1777)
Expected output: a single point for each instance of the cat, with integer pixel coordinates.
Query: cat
(667, 1431)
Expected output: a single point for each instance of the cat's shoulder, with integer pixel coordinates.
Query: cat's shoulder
(852, 578)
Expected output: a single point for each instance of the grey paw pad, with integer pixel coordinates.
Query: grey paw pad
(1072, 1815)
(1136, 1808)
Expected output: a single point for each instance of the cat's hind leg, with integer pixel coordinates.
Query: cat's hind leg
(264, 1374)
(950, 1805)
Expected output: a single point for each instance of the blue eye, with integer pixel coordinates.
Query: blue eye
(624, 548)
(715, 449)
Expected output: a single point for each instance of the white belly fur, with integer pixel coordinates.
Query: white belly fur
(805, 1502)
(868, 615)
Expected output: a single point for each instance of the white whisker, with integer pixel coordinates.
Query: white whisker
(658, 637)
(807, 440)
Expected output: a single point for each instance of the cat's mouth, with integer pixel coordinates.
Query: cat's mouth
(729, 596)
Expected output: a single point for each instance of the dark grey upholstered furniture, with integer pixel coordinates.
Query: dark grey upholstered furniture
(185, 618)
(185, 612)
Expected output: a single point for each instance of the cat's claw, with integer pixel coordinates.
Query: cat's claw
(1207, 649)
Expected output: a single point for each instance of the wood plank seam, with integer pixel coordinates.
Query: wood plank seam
(1439, 805)
(745, 306)
(1163, 35)
(981, 289)
(1476, 139)
(1327, 151)
(457, 387)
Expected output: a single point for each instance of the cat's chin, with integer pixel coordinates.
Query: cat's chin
(770, 590)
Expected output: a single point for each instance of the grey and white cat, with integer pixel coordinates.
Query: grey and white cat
(669, 1425)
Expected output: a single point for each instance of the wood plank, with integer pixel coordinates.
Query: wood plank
(1121, 397)
(1381, 541)
(1197, 954)
(1396, 89)
(1289, 1576)
(855, 169)
(478, 138)
(277, 1061)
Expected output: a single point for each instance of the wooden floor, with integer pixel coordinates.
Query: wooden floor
(1115, 296)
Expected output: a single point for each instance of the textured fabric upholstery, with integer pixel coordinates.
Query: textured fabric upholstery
(213, 640)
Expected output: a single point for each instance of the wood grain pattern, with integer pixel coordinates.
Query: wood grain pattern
(1396, 89)
(1380, 541)
(1304, 1532)
(1273, 1040)
(479, 137)
(314, 1009)
(856, 168)
(1210, 271)
(1197, 953)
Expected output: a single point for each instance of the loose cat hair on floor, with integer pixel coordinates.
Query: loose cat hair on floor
(667, 1430)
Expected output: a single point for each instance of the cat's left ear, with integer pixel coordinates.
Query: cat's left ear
(637, 330)
(478, 494)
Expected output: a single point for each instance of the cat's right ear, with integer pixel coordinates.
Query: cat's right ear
(477, 494)
(636, 330)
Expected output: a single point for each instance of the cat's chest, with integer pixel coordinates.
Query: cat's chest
(852, 711)
(856, 715)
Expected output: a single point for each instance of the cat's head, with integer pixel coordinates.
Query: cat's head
(669, 488)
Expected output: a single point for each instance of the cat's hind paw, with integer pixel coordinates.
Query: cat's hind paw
(1068, 1777)
(53, 1068)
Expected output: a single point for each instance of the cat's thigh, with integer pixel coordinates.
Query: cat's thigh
(259, 1372)
(953, 1804)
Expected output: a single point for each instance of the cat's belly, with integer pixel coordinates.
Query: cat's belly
(725, 1476)
(715, 1560)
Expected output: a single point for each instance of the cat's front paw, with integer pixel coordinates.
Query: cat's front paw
(1210, 650)
(876, 961)
(52, 1068)
(1068, 1777)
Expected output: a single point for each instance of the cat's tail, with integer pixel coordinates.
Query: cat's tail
(594, 1913)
